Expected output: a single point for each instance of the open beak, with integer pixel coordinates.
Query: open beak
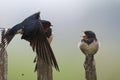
(51, 25)
(84, 36)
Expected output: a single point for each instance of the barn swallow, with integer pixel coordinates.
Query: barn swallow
(89, 43)
(32, 30)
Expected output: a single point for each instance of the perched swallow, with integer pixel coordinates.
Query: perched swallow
(32, 30)
(89, 43)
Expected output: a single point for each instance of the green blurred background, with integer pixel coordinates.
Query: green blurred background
(69, 18)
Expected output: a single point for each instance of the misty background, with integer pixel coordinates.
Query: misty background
(69, 19)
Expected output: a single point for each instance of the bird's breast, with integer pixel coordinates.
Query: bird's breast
(89, 49)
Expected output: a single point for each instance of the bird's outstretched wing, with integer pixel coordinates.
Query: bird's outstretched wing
(5, 40)
(41, 46)
(9, 35)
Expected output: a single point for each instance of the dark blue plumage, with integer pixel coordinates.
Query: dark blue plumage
(14, 30)
(36, 32)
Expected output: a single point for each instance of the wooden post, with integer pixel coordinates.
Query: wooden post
(3, 60)
(44, 71)
(89, 65)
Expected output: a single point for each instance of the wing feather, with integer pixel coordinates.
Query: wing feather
(42, 47)
(6, 39)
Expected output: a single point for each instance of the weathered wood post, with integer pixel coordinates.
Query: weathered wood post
(44, 71)
(90, 69)
(3, 59)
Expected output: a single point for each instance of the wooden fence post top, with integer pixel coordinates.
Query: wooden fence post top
(3, 58)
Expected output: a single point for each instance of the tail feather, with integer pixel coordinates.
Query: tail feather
(44, 51)
(54, 62)
(46, 56)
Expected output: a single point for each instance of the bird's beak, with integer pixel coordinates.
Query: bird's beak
(84, 36)
(51, 25)
(20, 31)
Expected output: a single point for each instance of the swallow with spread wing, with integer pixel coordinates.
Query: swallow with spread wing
(32, 30)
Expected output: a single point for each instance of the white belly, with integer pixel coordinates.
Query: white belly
(89, 49)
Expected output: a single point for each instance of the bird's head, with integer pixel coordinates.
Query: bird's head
(89, 34)
(46, 24)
